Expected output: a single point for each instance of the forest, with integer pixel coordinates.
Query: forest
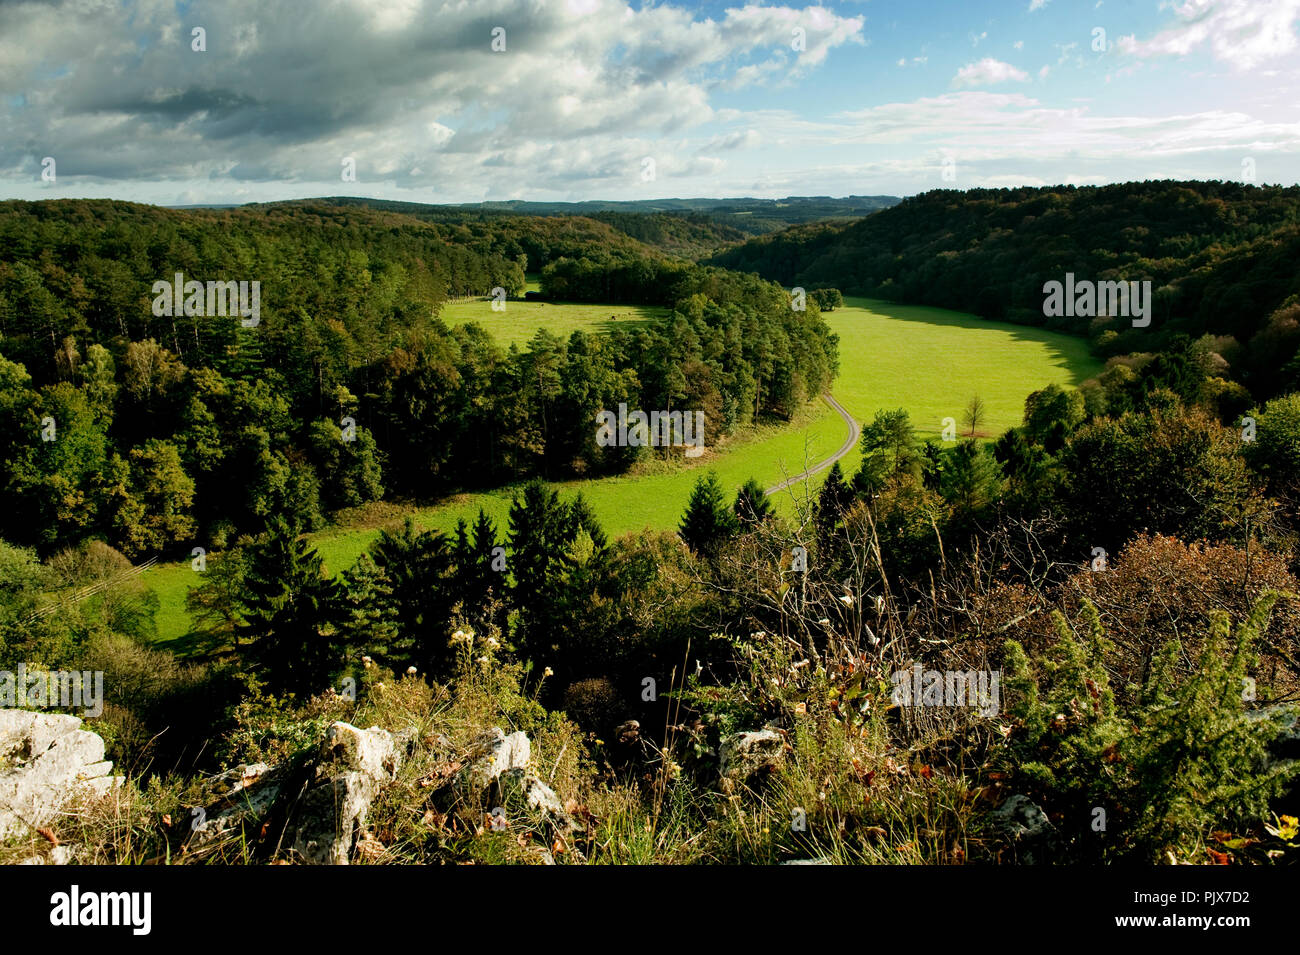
(1125, 558)
(186, 430)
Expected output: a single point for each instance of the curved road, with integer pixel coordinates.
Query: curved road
(854, 433)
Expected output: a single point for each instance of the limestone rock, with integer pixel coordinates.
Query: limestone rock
(742, 755)
(47, 760)
(1026, 825)
(492, 754)
(353, 766)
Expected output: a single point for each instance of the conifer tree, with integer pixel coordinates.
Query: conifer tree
(752, 506)
(707, 521)
(290, 612)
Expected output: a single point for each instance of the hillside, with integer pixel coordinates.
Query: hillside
(1221, 257)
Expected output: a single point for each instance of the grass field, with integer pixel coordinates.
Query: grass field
(518, 322)
(930, 362)
(927, 361)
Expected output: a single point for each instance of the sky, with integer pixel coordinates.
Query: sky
(433, 101)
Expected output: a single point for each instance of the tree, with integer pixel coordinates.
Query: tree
(152, 512)
(1172, 471)
(350, 467)
(971, 478)
(1051, 415)
(752, 506)
(888, 451)
(1275, 452)
(833, 500)
(290, 613)
(827, 299)
(539, 536)
(707, 521)
(419, 569)
(974, 414)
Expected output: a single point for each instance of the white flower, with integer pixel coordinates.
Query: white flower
(824, 622)
(484, 660)
(847, 600)
(548, 672)
(492, 643)
(411, 671)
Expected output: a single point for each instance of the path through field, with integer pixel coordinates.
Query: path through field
(855, 431)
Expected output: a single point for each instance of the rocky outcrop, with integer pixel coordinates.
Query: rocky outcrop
(498, 774)
(353, 766)
(46, 761)
(742, 756)
(321, 806)
(1027, 827)
(317, 808)
(492, 754)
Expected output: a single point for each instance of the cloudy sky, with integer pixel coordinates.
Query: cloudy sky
(460, 101)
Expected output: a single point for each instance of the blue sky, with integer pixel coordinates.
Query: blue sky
(605, 99)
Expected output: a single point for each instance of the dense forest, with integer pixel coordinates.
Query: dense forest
(1221, 257)
(182, 429)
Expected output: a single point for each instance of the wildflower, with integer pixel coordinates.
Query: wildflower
(547, 672)
(847, 600)
(367, 662)
(379, 686)
(460, 636)
(411, 671)
(824, 622)
(484, 660)
(492, 643)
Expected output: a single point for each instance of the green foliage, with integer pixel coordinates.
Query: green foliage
(1182, 760)
(290, 608)
(707, 522)
(888, 451)
(752, 506)
(1170, 471)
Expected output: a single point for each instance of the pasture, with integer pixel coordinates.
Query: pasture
(925, 360)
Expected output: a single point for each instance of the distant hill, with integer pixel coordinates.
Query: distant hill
(690, 228)
(1221, 257)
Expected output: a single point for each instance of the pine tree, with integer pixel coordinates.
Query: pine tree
(833, 500)
(538, 539)
(368, 623)
(419, 566)
(582, 517)
(290, 613)
(707, 521)
(972, 476)
(752, 506)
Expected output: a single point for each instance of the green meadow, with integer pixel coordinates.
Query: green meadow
(518, 321)
(925, 360)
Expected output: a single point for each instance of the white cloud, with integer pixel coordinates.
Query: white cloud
(412, 89)
(1037, 4)
(1242, 33)
(988, 71)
